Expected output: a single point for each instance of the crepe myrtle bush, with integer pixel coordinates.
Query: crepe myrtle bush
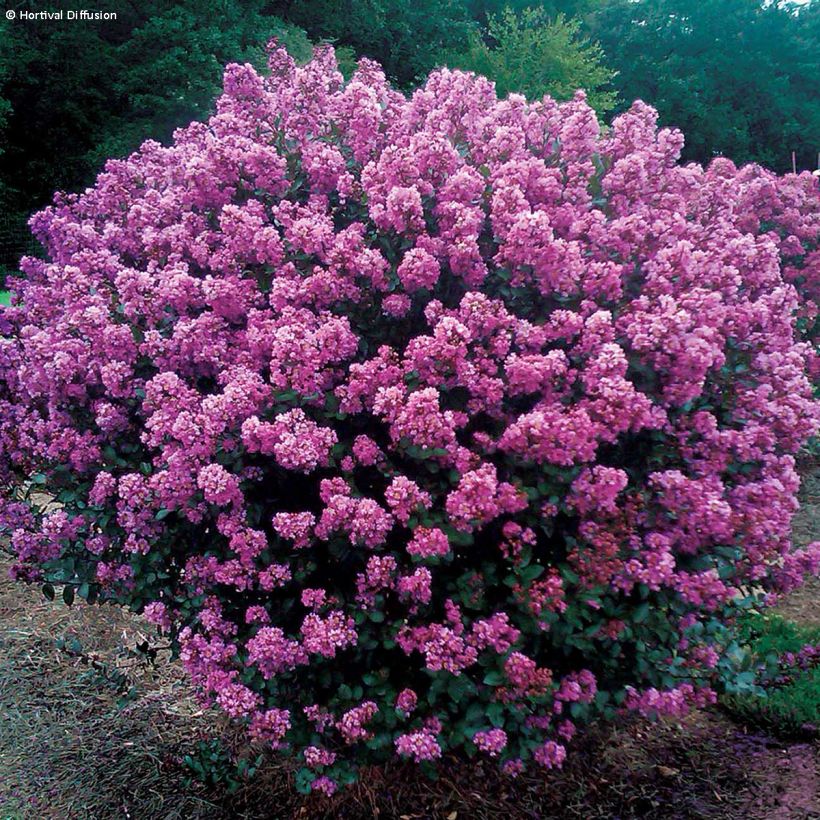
(423, 424)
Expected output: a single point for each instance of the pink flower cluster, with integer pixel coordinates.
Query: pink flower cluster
(419, 746)
(491, 741)
(417, 421)
(676, 702)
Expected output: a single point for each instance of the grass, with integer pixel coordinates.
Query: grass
(774, 634)
(69, 744)
(5, 297)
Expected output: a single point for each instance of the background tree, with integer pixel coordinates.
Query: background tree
(739, 78)
(482, 10)
(533, 54)
(405, 36)
(171, 67)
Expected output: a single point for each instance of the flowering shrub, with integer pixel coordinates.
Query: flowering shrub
(420, 424)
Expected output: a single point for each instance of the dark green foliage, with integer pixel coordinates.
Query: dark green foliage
(171, 67)
(737, 76)
(405, 36)
(482, 10)
(790, 708)
(211, 764)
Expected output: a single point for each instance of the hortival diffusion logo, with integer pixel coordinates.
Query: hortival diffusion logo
(60, 14)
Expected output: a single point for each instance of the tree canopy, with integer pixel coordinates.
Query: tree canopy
(533, 54)
(738, 77)
(405, 36)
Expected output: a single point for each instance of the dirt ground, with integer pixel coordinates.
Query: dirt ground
(69, 748)
(803, 606)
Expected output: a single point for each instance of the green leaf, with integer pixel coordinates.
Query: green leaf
(641, 613)
(532, 572)
(495, 714)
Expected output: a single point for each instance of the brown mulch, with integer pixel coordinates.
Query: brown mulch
(803, 605)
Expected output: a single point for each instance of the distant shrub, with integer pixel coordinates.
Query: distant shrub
(420, 424)
(787, 702)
